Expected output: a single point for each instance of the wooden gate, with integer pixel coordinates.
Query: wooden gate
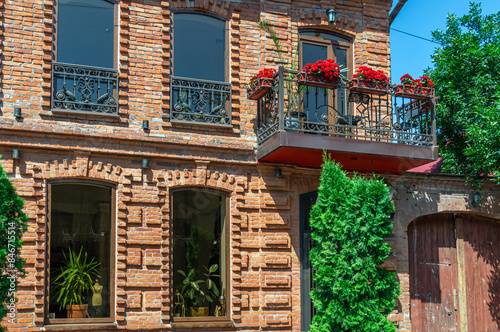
(454, 273)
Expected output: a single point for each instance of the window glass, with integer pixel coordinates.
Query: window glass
(80, 223)
(199, 47)
(199, 226)
(85, 32)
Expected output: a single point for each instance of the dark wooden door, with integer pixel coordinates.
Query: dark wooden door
(433, 274)
(454, 273)
(306, 271)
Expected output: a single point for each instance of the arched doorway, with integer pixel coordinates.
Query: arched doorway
(454, 272)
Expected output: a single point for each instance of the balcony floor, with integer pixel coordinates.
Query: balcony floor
(306, 150)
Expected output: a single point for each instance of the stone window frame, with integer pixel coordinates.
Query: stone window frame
(209, 321)
(56, 323)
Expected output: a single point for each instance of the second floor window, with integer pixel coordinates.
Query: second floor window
(85, 33)
(199, 47)
(199, 89)
(84, 78)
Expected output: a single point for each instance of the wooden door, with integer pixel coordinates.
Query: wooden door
(433, 274)
(454, 273)
(481, 238)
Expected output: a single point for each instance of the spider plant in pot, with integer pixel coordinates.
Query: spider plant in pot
(200, 291)
(75, 280)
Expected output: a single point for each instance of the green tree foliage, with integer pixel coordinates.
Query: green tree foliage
(467, 77)
(350, 222)
(12, 224)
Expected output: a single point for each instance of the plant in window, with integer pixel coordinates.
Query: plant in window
(322, 73)
(199, 291)
(260, 83)
(368, 80)
(417, 89)
(77, 277)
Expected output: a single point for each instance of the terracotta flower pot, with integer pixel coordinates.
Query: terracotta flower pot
(77, 311)
(412, 91)
(308, 79)
(259, 88)
(363, 86)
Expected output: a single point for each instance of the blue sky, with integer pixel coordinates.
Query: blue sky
(420, 17)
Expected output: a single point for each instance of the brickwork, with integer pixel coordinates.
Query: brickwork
(264, 209)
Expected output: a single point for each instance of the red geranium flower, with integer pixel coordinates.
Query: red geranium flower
(263, 73)
(328, 69)
(370, 75)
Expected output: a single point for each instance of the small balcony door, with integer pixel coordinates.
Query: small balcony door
(322, 105)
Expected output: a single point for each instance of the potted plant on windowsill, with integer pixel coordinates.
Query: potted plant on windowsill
(260, 83)
(200, 291)
(421, 88)
(322, 74)
(75, 280)
(370, 81)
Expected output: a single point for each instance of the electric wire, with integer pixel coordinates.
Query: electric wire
(409, 34)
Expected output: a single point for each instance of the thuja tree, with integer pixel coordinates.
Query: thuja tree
(467, 77)
(12, 224)
(350, 222)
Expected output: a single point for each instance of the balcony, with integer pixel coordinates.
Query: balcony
(84, 89)
(365, 130)
(200, 101)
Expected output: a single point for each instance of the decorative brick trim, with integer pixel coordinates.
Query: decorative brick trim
(201, 177)
(217, 7)
(80, 167)
(318, 18)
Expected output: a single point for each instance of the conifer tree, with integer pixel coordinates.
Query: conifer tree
(12, 225)
(350, 222)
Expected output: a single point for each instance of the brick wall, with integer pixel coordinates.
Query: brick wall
(264, 209)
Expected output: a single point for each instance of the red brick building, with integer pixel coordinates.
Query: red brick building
(126, 127)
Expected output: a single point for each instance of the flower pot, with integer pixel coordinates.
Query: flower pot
(364, 86)
(412, 91)
(199, 311)
(259, 88)
(308, 79)
(77, 311)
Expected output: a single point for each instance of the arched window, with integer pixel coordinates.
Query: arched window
(199, 47)
(320, 45)
(81, 231)
(199, 89)
(200, 254)
(85, 33)
(84, 75)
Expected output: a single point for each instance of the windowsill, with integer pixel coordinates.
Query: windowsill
(179, 123)
(80, 326)
(86, 113)
(192, 322)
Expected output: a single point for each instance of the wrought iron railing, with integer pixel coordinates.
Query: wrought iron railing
(84, 89)
(344, 112)
(200, 101)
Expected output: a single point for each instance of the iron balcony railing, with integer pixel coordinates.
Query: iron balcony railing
(200, 101)
(345, 112)
(84, 89)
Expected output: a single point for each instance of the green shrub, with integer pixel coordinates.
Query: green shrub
(350, 222)
(12, 224)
